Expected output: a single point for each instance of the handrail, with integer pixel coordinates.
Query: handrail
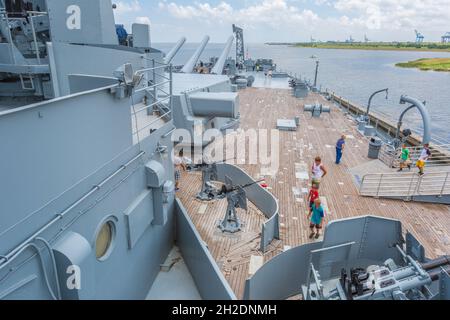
(29, 15)
(440, 155)
(152, 86)
(152, 68)
(17, 250)
(152, 123)
(405, 185)
(160, 94)
(152, 105)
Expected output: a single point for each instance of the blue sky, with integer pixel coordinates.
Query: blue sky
(288, 20)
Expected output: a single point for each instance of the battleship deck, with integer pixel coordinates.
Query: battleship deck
(238, 255)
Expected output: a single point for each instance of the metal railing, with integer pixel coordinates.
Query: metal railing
(158, 96)
(440, 155)
(390, 156)
(405, 185)
(30, 15)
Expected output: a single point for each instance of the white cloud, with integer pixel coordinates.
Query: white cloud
(398, 14)
(291, 20)
(143, 20)
(128, 7)
(273, 12)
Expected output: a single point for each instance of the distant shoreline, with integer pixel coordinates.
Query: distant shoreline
(437, 64)
(383, 46)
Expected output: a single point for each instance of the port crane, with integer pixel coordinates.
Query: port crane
(240, 46)
(419, 37)
(446, 38)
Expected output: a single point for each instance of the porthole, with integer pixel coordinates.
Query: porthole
(104, 241)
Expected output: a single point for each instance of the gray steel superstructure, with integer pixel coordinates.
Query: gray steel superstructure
(88, 205)
(90, 119)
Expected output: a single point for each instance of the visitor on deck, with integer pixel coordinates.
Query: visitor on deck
(179, 165)
(318, 172)
(316, 218)
(424, 157)
(405, 158)
(313, 196)
(340, 147)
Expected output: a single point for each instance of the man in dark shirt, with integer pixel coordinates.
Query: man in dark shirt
(340, 146)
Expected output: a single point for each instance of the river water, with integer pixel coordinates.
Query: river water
(356, 74)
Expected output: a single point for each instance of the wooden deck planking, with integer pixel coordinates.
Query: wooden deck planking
(260, 109)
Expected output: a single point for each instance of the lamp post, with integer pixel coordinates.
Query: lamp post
(317, 72)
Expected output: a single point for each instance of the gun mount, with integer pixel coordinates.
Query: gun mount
(237, 198)
(209, 191)
(391, 281)
(209, 173)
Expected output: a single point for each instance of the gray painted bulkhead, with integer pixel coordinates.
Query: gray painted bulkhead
(95, 24)
(77, 59)
(51, 147)
(75, 155)
(209, 278)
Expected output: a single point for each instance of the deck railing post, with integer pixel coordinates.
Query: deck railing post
(443, 186)
(379, 186)
(171, 87)
(362, 184)
(308, 279)
(36, 46)
(409, 195)
(155, 88)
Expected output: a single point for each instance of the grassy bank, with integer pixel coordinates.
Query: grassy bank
(434, 47)
(438, 64)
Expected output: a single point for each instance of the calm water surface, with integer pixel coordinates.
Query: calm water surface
(356, 74)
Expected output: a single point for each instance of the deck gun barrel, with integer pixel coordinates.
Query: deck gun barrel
(218, 68)
(190, 65)
(205, 164)
(227, 189)
(172, 53)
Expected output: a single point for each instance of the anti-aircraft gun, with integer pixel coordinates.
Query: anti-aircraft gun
(209, 191)
(237, 198)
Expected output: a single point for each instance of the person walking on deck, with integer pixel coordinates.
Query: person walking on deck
(312, 197)
(405, 159)
(179, 165)
(316, 217)
(424, 157)
(318, 172)
(340, 146)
